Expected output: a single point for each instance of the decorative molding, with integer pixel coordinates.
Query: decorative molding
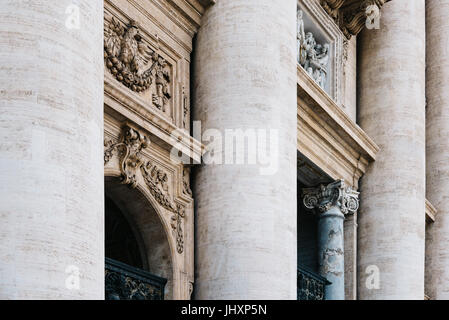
(334, 194)
(129, 151)
(328, 137)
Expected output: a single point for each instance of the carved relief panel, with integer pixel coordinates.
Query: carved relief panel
(147, 47)
(320, 48)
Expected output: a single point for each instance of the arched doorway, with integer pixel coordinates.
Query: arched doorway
(138, 261)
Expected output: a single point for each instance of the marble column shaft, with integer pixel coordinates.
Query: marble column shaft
(391, 92)
(331, 203)
(437, 147)
(245, 78)
(51, 150)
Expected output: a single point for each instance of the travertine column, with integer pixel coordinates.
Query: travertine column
(245, 78)
(51, 163)
(437, 147)
(392, 112)
(332, 202)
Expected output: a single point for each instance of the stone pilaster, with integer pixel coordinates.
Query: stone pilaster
(437, 147)
(392, 112)
(51, 150)
(245, 79)
(332, 202)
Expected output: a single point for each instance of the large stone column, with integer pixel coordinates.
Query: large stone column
(51, 163)
(245, 79)
(437, 147)
(332, 202)
(392, 112)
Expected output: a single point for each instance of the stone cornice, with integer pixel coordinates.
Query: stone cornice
(327, 136)
(136, 110)
(350, 15)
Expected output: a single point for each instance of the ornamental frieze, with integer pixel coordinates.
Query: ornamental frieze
(134, 63)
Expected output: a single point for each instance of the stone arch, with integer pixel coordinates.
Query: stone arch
(147, 219)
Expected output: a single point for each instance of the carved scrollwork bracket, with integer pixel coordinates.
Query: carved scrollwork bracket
(129, 152)
(325, 197)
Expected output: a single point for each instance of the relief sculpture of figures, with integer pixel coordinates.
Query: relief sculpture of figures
(300, 38)
(312, 56)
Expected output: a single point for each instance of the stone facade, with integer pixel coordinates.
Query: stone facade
(219, 149)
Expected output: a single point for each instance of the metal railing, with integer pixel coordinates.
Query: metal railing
(311, 286)
(124, 282)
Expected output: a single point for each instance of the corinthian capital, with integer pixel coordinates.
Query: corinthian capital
(336, 193)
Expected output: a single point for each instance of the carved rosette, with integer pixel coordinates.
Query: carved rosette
(129, 152)
(134, 63)
(336, 193)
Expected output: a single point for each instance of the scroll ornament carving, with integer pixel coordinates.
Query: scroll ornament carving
(312, 56)
(176, 225)
(334, 194)
(134, 63)
(129, 151)
(157, 182)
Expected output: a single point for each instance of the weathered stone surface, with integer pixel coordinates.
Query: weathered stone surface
(437, 147)
(245, 78)
(51, 165)
(392, 112)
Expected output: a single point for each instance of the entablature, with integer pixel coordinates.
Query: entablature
(327, 136)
